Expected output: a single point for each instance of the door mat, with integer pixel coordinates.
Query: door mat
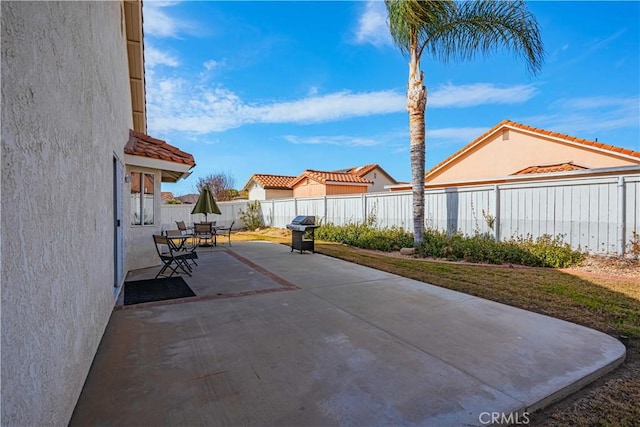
(139, 291)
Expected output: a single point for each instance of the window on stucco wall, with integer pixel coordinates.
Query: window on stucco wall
(142, 198)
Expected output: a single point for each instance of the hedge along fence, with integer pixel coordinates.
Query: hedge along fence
(597, 215)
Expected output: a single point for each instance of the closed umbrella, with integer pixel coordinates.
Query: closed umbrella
(206, 204)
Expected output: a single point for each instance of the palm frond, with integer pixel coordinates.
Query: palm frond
(485, 27)
(450, 30)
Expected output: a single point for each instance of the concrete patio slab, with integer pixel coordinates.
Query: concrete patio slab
(333, 346)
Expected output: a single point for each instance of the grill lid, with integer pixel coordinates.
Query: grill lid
(304, 220)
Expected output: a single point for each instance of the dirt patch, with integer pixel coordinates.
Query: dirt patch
(608, 267)
(593, 265)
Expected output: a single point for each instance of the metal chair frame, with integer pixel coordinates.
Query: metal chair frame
(205, 231)
(170, 258)
(189, 247)
(225, 231)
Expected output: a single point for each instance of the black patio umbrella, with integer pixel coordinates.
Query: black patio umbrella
(206, 204)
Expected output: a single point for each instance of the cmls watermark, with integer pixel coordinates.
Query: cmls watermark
(497, 418)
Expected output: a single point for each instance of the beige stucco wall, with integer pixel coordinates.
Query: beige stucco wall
(256, 192)
(506, 154)
(345, 189)
(140, 251)
(308, 188)
(273, 193)
(65, 112)
(379, 180)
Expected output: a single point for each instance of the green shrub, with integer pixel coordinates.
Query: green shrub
(365, 236)
(550, 251)
(545, 251)
(252, 217)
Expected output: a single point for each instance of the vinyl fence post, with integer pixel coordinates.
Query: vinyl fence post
(496, 218)
(621, 216)
(364, 208)
(324, 220)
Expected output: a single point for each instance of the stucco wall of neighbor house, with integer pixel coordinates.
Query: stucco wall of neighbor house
(257, 193)
(273, 193)
(66, 109)
(140, 250)
(345, 189)
(508, 153)
(309, 188)
(379, 180)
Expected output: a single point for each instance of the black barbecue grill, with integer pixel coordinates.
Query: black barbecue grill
(303, 233)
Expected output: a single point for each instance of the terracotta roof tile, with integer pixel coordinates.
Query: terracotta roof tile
(560, 167)
(362, 170)
(143, 145)
(273, 181)
(324, 177)
(509, 123)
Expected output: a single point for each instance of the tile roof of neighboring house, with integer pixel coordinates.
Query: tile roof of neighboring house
(188, 198)
(140, 144)
(358, 170)
(509, 123)
(361, 171)
(330, 177)
(166, 195)
(558, 167)
(273, 181)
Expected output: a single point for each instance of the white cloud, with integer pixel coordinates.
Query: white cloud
(213, 64)
(372, 26)
(158, 23)
(154, 57)
(174, 104)
(479, 94)
(341, 140)
(177, 104)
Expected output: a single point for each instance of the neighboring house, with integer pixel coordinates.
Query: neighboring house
(72, 90)
(361, 179)
(166, 197)
(511, 151)
(374, 173)
(262, 186)
(319, 183)
(188, 199)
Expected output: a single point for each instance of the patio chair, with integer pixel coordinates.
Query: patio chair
(225, 231)
(188, 246)
(183, 227)
(169, 256)
(204, 231)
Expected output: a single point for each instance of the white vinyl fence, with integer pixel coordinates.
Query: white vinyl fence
(599, 215)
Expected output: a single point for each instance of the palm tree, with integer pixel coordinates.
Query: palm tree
(452, 30)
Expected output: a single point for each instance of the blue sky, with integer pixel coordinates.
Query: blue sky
(279, 87)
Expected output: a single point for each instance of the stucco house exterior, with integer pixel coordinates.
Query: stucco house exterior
(262, 186)
(149, 162)
(359, 179)
(512, 151)
(72, 100)
(379, 177)
(312, 183)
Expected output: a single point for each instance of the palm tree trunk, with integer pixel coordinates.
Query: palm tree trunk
(416, 104)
